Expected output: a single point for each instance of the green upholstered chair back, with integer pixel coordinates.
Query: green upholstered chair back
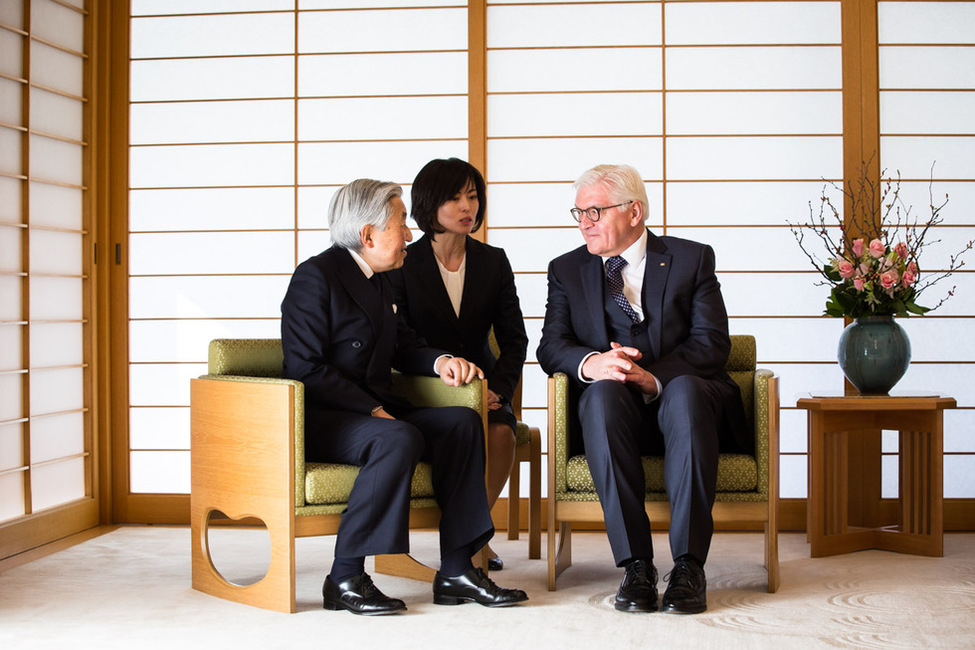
(246, 357)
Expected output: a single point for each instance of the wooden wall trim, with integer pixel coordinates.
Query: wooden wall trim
(477, 93)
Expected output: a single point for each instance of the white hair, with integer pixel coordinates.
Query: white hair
(361, 203)
(623, 182)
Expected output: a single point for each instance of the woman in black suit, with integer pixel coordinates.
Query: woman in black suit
(454, 289)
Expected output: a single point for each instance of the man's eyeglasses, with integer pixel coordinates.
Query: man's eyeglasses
(593, 213)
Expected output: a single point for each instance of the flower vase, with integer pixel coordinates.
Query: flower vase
(874, 353)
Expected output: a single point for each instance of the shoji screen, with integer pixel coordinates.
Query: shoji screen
(927, 128)
(245, 118)
(731, 110)
(45, 439)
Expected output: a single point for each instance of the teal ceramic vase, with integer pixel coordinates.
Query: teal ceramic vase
(874, 353)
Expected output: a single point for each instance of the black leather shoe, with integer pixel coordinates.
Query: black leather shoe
(686, 588)
(360, 596)
(638, 591)
(474, 587)
(495, 563)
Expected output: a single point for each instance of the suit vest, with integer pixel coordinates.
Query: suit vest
(624, 331)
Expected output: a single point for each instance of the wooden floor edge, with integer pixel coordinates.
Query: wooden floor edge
(56, 546)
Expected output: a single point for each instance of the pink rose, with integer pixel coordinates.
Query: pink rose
(858, 283)
(889, 279)
(858, 247)
(877, 248)
(909, 277)
(844, 267)
(901, 250)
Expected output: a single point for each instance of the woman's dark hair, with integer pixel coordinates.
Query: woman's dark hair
(439, 181)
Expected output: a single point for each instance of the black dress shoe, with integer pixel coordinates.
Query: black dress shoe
(474, 587)
(638, 591)
(686, 589)
(360, 596)
(495, 563)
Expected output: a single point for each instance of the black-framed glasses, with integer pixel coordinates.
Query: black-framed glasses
(593, 213)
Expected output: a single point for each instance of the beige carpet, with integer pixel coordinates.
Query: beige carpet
(131, 588)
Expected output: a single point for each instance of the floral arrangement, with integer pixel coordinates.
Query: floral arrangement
(872, 261)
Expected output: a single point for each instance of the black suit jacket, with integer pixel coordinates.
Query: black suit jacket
(489, 299)
(341, 337)
(687, 321)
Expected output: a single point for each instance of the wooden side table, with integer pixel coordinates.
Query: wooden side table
(831, 421)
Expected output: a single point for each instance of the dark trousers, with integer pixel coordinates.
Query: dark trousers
(387, 451)
(618, 428)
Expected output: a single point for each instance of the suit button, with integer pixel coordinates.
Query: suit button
(356, 344)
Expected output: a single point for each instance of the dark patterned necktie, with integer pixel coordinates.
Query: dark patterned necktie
(614, 280)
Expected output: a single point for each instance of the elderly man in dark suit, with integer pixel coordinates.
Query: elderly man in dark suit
(639, 322)
(341, 337)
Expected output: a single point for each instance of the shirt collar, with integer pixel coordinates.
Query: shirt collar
(363, 265)
(637, 251)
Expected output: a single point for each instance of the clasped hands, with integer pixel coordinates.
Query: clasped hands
(619, 364)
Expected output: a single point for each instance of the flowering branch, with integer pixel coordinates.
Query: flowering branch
(873, 266)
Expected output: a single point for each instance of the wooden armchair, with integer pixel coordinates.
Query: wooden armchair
(248, 461)
(748, 486)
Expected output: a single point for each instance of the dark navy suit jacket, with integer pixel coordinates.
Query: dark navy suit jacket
(686, 319)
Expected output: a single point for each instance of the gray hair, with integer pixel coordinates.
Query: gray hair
(623, 182)
(361, 203)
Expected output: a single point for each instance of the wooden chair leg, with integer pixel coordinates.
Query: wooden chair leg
(535, 495)
(514, 497)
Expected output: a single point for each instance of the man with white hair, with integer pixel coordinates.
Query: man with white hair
(341, 337)
(639, 324)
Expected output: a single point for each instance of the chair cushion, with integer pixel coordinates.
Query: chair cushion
(522, 434)
(736, 473)
(331, 483)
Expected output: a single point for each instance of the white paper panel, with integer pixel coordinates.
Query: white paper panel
(754, 68)
(164, 384)
(11, 446)
(960, 195)
(202, 253)
(819, 336)
(575, 114)
(415, 73)
(55, 252)
(56, 344)
(958, 477)
(11, 101)
(211, 165)
(313, 205)
(389, 118)
(10, 156)
(761, 203)
(338, 163)
(162, 7)
(11, 496)
(239, 121)
(188, 340)
(58, 24)
(698, 23)
(959, 424)
(939, 339)
(207, 297)
(11, 355)
(311, 243)
(382, 31)
(10, 200)
(927, 67)
(534, 388)
(359, 4)
(159, 428)
(186, 36)
(10, 302)
(926, 22)
(792, 431)
(754, 158)
(159, 472)
(55, 161)
(212, 78)
(952, 157)
(799, 380)
(617, 68)
(532, 291)
(792, 477)
(55, 206)
(554, 26)
(564, 159)
(545, 204)
(11, 51)
(736, 249)
(11, 395)
(927, 112)
(52, 485)
(532, 250)
(244, 208)
(12, 13)
(754, 113)
(55, 298)
(747, 294)
(56, 69)
(53, 391)
(56, 437)
(946, 379)
(11, 260)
